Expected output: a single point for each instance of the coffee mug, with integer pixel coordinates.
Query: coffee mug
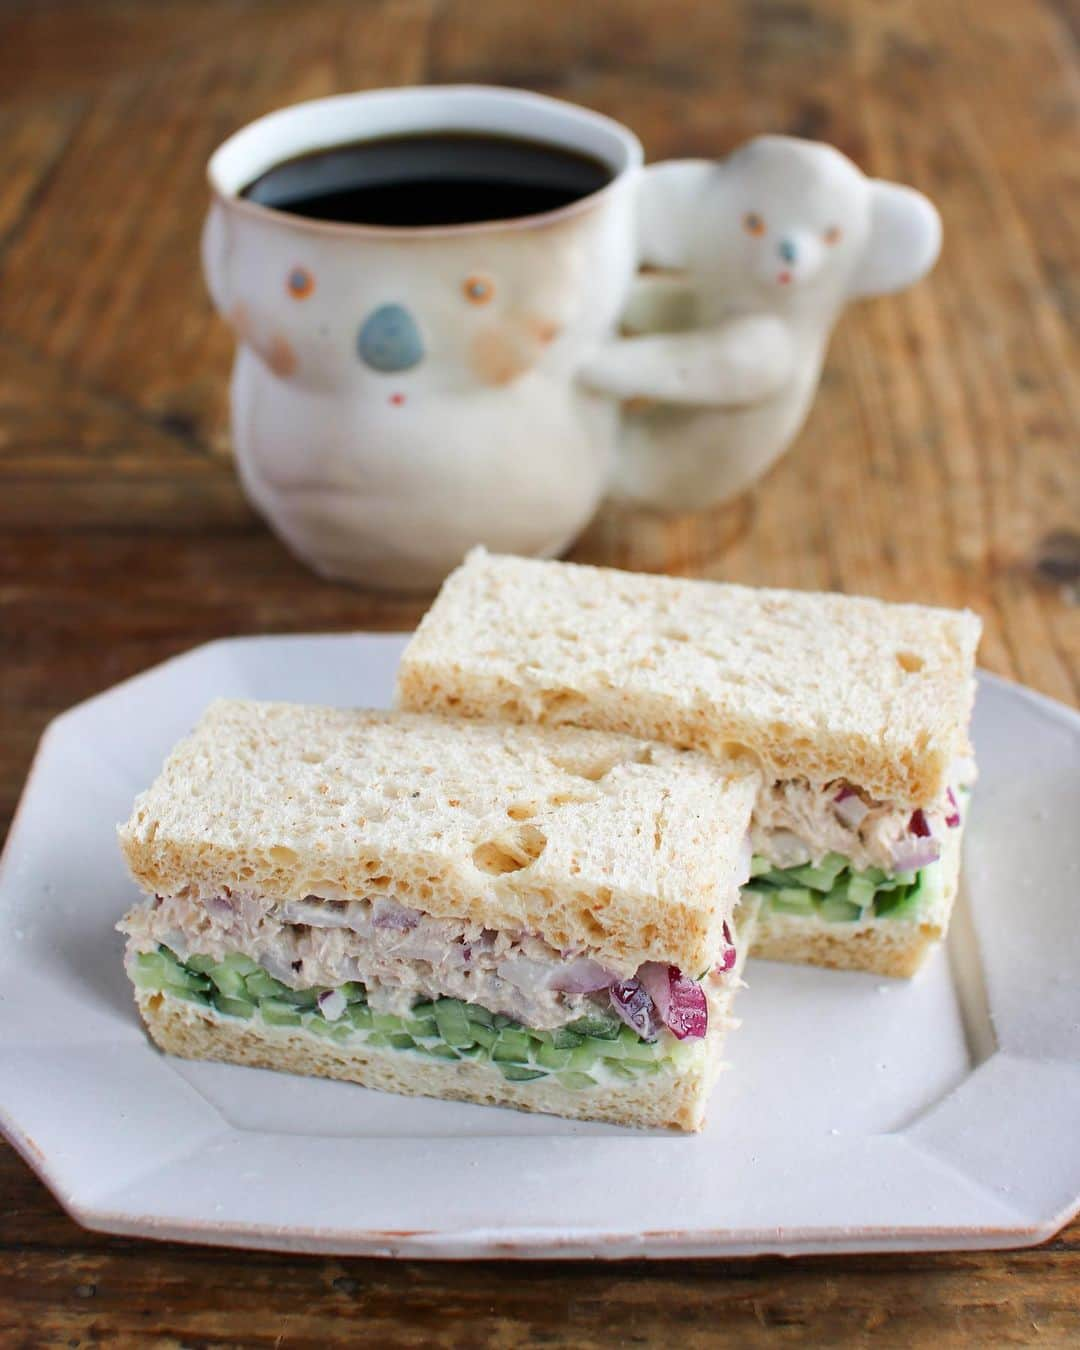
(382, 462)
(401, 393)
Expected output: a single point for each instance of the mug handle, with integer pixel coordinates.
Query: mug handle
(748, 360)
(216, 247)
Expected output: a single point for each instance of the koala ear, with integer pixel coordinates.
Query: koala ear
(668, 197)
(904, 240)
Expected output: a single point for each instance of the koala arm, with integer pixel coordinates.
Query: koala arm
(744, 361)
(660, 302)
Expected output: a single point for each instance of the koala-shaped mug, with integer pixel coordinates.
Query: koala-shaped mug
(403, 393)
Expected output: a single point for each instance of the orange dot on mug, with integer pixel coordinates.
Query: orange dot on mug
(833, 234)
(300, 283)
(280, 357)
(753, 223)
(478, 290)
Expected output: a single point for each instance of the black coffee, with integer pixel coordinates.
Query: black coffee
(436, 178)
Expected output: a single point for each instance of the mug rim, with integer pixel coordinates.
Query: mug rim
(627, 143)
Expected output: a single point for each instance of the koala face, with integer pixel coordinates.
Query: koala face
(783, 217)
(784, 224)
(397, 319)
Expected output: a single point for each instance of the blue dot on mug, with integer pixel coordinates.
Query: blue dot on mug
(389, 340)
(300, 283)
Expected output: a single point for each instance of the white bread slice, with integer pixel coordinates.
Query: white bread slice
(884, 946)
(629, 850)
(818, 686)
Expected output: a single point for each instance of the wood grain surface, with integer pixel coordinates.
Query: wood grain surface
(940, 464)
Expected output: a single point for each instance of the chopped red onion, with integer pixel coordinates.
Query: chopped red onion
(580, 976)
(635, 1007)
(919, 825)
(729, 955)
(952, 820)
(656, 978)
(849, 808)
(680, 1002)
(688, 1015)
(222, 906)
(332, 1004)
(389, 914)
(909, 855)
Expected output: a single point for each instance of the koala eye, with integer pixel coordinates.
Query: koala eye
(753, 223)
(300, 283)
(478, 290)
(833, 234)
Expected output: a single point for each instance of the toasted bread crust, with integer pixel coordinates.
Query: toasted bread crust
(819, 686)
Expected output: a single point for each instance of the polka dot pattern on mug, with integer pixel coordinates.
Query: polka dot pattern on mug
(389, 340)
(300, 283)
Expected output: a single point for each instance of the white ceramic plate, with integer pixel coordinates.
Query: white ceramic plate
(859, 1114)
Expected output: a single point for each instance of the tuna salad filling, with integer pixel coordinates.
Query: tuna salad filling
(797, 823)
(402, 957)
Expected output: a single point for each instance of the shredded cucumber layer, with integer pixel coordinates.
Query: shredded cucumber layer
(833, 891)
(588, 1052)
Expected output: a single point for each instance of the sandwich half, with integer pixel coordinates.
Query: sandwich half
(856, 712)
(531, 918)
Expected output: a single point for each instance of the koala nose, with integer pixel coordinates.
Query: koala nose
(787, 250)
(389, 340)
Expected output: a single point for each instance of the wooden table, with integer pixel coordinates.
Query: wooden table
(939, 464)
